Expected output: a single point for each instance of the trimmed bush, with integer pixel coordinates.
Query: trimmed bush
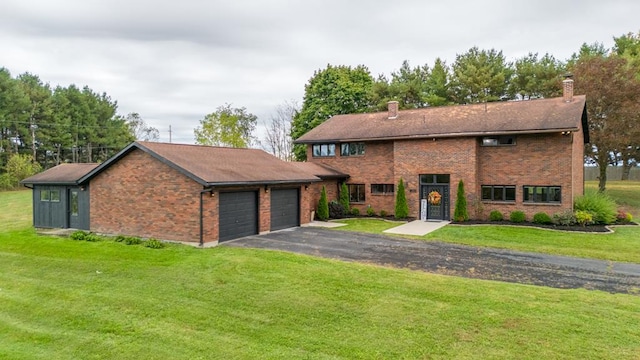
(153, 244)
(542, 218)
(402, 208)
(78, 235)
(370, 211)
(131, 240)
(120, 238)
(584, 218)
(383, 213)
(355, 211)
(336, 210)
(92, 237)
(495, 215)
(602, 207)
(344, 197)
(460, 213)
(623, 217)
(566, 218)
(517, 216)
(323, 206)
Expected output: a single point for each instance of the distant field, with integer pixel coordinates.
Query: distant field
(626, 193)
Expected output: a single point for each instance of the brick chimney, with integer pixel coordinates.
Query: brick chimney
(567, 88)
(393, 109)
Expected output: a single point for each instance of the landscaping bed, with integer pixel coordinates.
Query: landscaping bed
(579, 228)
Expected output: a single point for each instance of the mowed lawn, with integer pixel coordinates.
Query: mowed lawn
(65, 299)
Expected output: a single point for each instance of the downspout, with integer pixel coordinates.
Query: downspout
(204, 191)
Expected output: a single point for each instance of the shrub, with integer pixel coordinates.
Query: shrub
(370, 211)
(402, 208)
(601, 206)
(355, 211)
(131, 240)
(383, 213)
(92, 238)
(542, 218)
(120, 238)
(584, 218)
(153, 244)
(623, 217)
(344, 197)
(517, 216)
(336, 210)
(495, 215)
(460, 213)
(323, 206)
(566, 218)
(78, 235)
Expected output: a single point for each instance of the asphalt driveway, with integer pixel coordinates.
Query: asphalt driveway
(451, 259)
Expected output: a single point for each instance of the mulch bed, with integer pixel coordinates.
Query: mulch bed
(589, 228)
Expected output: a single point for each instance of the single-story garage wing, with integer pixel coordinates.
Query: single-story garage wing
(191, 193)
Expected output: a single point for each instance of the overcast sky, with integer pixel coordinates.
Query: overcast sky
(173, 62)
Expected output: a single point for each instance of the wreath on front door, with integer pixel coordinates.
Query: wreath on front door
(434, 198)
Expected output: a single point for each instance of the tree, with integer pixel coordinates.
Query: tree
(480, 76)
(140, 129)
(323, 206)
(437, 87)
(460, 213)
(19, 167)
(39, 97)
(278, 133)
(402, 208)
(536, 78)
(227, 126)
(331, 91)
(408, 86)
(344, 197)
(611, 87)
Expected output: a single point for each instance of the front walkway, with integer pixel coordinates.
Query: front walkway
(416, 227)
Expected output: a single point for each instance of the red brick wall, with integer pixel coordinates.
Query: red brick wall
(376, 163)
(314, 191)
(140, 196)
(538, 159)
(454, 156)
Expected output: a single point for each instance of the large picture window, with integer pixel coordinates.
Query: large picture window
(356, 193)
(352, 149)
(320, 150)
(542, 194)
(382, 189)
(506, 193)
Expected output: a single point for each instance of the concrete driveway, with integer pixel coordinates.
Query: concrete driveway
(450, 259)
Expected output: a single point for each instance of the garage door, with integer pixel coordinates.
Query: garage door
(285, 208)
(238, 214)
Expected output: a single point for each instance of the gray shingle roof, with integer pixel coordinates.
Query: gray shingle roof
(63, 174)
(543, 115)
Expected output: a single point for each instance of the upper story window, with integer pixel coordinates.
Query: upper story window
(542, 194)
(352, 149)
(324, 150)
(505, 140)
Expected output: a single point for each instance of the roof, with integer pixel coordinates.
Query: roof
(215, 166)
(320, 170)
(63, 174)
(531, 116)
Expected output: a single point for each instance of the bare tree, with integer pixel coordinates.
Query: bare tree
(140, 129)
(278, 137)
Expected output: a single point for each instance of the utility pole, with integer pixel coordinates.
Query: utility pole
(169, 134)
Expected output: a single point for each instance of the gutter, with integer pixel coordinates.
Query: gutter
(202, 192)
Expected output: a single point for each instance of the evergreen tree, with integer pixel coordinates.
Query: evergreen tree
(460, 213)
(323, 206)
(402, 208)
(344, 197)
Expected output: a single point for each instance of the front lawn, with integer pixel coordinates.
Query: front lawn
(65, 299)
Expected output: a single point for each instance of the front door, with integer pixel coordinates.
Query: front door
(437, 197)
(74, 213)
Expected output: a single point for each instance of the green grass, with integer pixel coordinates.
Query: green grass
(367, 225)
(66, 299)
(626, 194)
(15, 209)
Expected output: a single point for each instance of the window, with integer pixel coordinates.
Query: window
(498, 140)
(44, 195)
(356, 193)
(382, 189)
(542, 194)
(351, 149)
(74, 203)
(324, 150)
(55, 195)
(499, 193)
(434, 179)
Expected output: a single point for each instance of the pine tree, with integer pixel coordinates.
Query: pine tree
(323, 206)
(344, 197)
(402, 209)
(460, 213)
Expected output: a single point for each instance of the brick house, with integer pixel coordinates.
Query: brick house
(516, 155)
(187, 193)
